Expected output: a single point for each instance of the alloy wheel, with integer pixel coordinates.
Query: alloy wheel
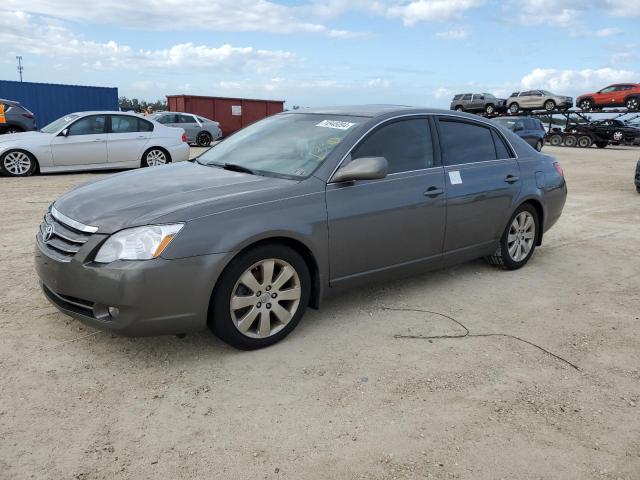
(549, 105)
(618, 136)
(203, 139)
(265, 298)
(633, 103)
(156, 157)
(17, 163)
(489, 109)
(585, 105)
(522, 234)
(513, 108)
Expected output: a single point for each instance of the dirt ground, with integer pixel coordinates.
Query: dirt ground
(342, 397)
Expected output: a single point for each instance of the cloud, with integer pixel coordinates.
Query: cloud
(575, 81)
(565, 13)
(608, 32)
(378, 83)
(217, 15)
(456, 34)
(24, 33)
(431, 10)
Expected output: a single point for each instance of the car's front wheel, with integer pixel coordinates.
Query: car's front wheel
(514, 107)
(260, 297)
(518, 241)
(549, 105)
(17, 163)
(203, 139)
(155, 156)
(489, 109)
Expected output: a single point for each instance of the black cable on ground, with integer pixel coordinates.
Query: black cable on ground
(467, 334)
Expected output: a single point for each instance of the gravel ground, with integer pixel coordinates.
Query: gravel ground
(342, 397)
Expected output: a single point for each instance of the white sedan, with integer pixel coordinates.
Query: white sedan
(92, 141)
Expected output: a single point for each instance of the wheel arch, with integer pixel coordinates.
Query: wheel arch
(537, 205)
(299, 247)
(24, 150)
(159, 147)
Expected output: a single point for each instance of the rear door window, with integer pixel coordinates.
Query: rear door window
(467, 97)
(123, 124)
(169, 118)
(502, 151)
(465, 142)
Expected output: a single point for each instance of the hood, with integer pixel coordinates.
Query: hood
(22, 136)
(171, 193)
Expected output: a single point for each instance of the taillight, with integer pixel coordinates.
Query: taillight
(28, 115)
(559, 169)
(184, 137)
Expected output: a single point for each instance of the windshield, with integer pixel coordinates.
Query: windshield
(289, 145)
(59, 124)
(509, 123)
(547, 92)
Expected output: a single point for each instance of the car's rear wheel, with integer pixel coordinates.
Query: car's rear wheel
(555, 140)
(459, 108)
(570, 141)
(489, 109)
(585, 141)
(260, 297)
(633, 103)
(203, 139)
(518, 241)
(18, 163)
(154, 157)
(514, 107)
(549, 105)
(586, 104)
(538, 146)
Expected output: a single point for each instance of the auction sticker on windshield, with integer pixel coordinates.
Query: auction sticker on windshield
(335, 124)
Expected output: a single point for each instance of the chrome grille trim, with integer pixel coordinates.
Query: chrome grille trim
(61, 217)
(61, 241)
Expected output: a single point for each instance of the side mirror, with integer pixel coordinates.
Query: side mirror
(65, 132)
(365, 168)
(518, 128)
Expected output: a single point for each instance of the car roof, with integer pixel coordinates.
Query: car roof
(370, 111)
(104, 112)
(10, 102)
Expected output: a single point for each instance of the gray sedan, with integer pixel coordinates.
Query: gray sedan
(199, 130)
(290, 210)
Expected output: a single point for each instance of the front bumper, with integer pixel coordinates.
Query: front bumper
(152, 297)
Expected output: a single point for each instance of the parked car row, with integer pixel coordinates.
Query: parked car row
(92, 141)
(616, 95)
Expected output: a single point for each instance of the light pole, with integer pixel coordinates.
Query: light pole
(20, 67)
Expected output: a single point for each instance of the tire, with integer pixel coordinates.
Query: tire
(155, 156)
(555, 140)
(538, 145)
(514, 108)
(601, 144)
(518, 241)
(18, 163)
(637, 189)
(203, 139)
(633, 104)
(459, 108)
(586, 104)
(585, 141)
(227, 322)
(549, 105)
(489, 109)
(570, 141)
(11, 129)
(618, 136)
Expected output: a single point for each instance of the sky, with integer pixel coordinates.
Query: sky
(312, 53)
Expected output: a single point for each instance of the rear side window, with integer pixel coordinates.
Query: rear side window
(405, 144)
(145, 126)
(186, 119)
(466, 142)
(164, 119)
(502, 150)
(123, 124)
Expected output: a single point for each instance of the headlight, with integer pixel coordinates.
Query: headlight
(139, 243)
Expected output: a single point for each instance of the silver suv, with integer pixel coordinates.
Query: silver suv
(15, 118)
(478, 102)
(538, 100)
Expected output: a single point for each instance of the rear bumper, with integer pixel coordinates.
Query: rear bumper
(152, 297)
(179, 152)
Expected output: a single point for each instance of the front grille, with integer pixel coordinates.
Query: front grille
(60, 240)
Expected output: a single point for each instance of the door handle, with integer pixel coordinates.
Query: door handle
(98, 140)
(511, 178)
(433, 192)
(141, 136)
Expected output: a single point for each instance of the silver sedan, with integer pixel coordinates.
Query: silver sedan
(199, 130)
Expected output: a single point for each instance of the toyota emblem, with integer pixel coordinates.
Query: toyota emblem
(48, 233)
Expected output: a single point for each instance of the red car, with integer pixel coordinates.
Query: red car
(618, 95)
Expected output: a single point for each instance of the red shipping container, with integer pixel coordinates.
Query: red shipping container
(232, 113)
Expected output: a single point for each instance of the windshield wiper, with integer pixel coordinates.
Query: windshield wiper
(239, 168)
